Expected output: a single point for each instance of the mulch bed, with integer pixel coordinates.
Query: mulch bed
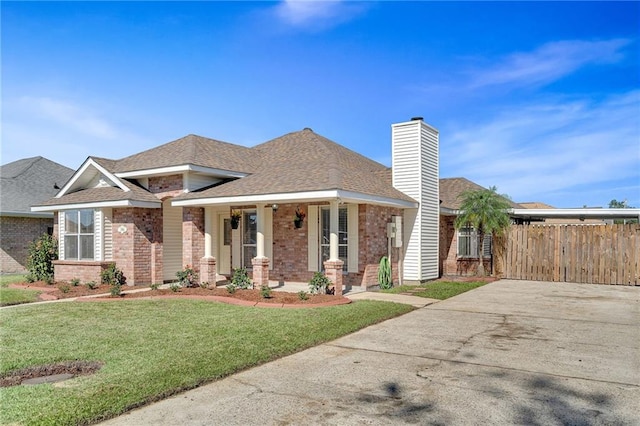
(240, 297)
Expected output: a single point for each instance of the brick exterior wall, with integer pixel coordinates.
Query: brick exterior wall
(450, 265)
(67, 270)
(372, 245)
(166, 186)
(290, 245)
(134, 249)
(16, 233)
(192, 236)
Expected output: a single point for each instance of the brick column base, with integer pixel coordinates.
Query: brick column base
(208, 270)
(260, 271)
(333, 271)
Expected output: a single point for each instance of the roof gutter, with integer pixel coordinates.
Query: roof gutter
(576, 213)
(27, 214)
(98, 205)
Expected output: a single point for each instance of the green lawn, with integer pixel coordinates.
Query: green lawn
(437, 290)
(13, 296)
(5, 280)
(152, 349)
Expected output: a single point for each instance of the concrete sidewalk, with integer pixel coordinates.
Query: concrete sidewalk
(511, 352)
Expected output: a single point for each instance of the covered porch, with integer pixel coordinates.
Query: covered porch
(342, 235)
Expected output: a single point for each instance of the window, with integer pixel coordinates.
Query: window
(78, 235)
(249, 238)
(325, 236)
(468, 243)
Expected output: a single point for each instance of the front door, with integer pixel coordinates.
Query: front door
(224, 245)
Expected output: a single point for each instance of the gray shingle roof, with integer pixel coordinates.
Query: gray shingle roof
(106, 193)
(305, 161)
(452, 188)
(30, 181)
(191, 149)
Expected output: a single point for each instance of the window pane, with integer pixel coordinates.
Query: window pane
(342, 226)
(227, 232)
(249, 253)
(325, 223)
(324, 256)
(486, 249)
(71, 222)
(70, 247)
(343, 253)
(86, 247)
(86, 221)
(250, 228)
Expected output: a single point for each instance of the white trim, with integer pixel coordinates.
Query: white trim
(577, 213)
(160, 171)
(98, 204)
(310, 196)
(83, 168)
(313, 263)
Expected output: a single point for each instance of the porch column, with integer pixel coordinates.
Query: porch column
(260, 230)
(208, 270)
(333, 266)
(333, 230)
(260, 263)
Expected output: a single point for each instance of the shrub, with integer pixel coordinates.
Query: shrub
(92, 285)
(155, 286)
(41, 254)
(75, 282)
(204, 284)
(112, 275)
(384, 274)
(187, 277)
(231, 288)
(174, 287)
(265, 292)
(319, 283)
(65, 288)
(302, 295)
(240, 279)
(116, 290)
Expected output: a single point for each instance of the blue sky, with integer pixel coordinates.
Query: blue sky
(540, 99)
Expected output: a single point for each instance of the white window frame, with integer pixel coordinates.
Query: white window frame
(65, 233)
(343, 235)
(467, 237)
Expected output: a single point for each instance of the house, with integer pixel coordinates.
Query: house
(157, 211)
(562, 220)
(24, 183)
(458, 248)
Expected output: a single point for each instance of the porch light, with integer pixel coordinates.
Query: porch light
(274, 207)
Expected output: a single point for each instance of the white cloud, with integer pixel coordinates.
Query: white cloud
(63, 130)
(70, 115)
(549, 62)
(316, 14)
(549, 148)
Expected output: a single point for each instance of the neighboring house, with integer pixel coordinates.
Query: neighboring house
(157, 211)
(557, 220)
(458, 248)
(24, 183)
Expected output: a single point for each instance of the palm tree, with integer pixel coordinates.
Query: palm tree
(487, 212)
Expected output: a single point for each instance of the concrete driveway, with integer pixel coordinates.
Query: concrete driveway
(511, 352)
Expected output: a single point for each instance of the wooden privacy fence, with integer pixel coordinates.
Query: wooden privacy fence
(598, 254)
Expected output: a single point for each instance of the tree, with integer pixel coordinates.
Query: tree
(487, 212)
(615, 204)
